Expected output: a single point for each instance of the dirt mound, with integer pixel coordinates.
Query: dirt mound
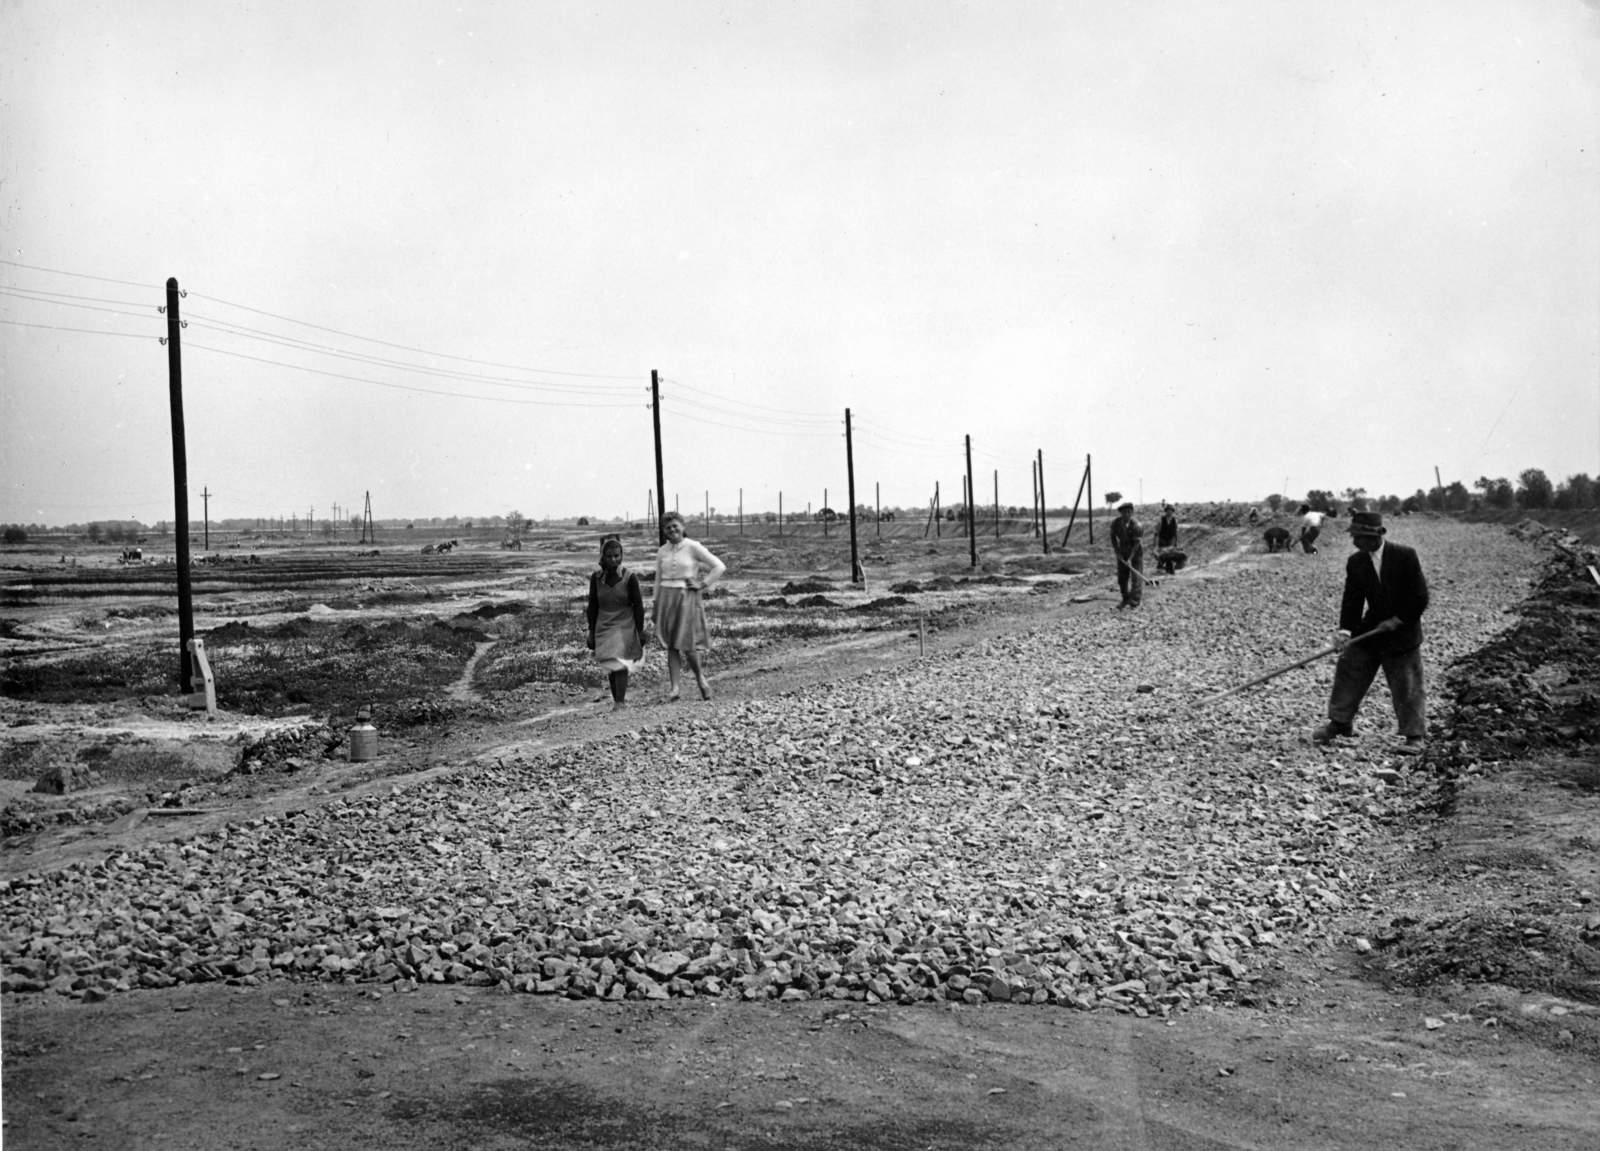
(1538, 684)
(1494, 945)
(816, 601)
(234, 631)
(807, 586)
(290, 750)
(884, 603)
(492, 610)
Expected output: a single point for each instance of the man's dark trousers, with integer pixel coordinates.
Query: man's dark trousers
(1358, 667)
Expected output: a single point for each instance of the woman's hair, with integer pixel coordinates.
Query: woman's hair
(670, 516)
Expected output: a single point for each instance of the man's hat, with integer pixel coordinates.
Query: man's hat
(1366, 524)
(1124, 507)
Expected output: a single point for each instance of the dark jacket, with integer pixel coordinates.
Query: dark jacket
(1402, 592)
(1125, 537)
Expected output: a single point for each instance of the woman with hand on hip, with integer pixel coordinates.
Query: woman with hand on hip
(616, 619)
(677, 611)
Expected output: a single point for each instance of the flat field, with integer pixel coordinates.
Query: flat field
(958, 859)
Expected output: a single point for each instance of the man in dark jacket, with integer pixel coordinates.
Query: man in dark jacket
(1385, 595)
(1128, 545)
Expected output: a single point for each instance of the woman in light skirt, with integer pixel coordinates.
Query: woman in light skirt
(677, 611)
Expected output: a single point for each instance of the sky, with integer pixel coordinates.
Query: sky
(434, 251)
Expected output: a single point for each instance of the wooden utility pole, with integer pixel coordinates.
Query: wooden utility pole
(661, 483)
(857, 576)
(780, 513)
(997, 504)
(369, 528)
(205, 504)
(1076, 500)
(938, 513)
(824, 511)
(972, 518)
(180, 489)
(1088, 479)
(741, 511)
(877, 505)
(708, 513)
(1440, 482)
(1044, 522)
(1033, 510)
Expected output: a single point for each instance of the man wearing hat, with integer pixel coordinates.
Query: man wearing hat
(1385, 595)
(1126, 543)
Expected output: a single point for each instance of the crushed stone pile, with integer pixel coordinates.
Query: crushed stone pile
(1042, 819)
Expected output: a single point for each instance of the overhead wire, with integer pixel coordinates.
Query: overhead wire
(86, 331)
(65, 304)
(409, 347)
(403, 387)
(224, 326)
(82, 275)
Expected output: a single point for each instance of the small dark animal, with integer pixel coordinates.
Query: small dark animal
(1278, 539)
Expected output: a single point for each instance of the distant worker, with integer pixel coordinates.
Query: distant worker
(1385, 595)
(1127, 543)
(1255, 517)
(1310, 529)
(1167, 528)
(616, 619)
(678, 612)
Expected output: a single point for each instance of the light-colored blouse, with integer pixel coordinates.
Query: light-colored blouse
(683, 561)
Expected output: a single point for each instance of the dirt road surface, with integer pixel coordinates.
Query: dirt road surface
(1389, 1016)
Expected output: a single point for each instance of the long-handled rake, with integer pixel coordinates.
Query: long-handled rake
(1277, 671)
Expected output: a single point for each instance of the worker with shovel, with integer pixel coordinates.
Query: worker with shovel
(1129, 549)
(1385, 595)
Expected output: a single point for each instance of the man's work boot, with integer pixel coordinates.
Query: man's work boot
(1330, 731)
(1411, 745)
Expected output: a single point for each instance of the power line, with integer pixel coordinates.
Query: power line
(70, 296)
(408, 347)
(65, 304)
(82, 276)
(613, 391)
(86, 331)
(402, 387)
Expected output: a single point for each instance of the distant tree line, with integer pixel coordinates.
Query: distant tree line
(1533, 491)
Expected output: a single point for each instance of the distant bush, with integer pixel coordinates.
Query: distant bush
(1534, 489)
(15, 534)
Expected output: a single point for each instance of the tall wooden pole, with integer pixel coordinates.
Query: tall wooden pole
(824, 511)
(856, 574)
(972, 518)
(180, 489)
(1088, 479)
(1033, 511)
(997, 504)
(1044, 519)
(661, 482)
(205, 503)
(877, 503)
(938, 513)
(780, 513)
(1076, 500)
(741, 511)
(1440, 482)
(708, 513)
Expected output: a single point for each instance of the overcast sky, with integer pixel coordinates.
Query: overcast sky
(1228, 248)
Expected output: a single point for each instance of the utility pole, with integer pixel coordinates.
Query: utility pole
(1044, 524)
(780, 515)
(741, 511)
(180, 489)
(1440, 482)
(972, 519)
(856, 574)
(205, 503)
(877, 504)
(655, 415)
(938, 513)
(367, 524)
(824, 511)
(997, 505)
(1033, 511)
(1088, 479)
(708, 513)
